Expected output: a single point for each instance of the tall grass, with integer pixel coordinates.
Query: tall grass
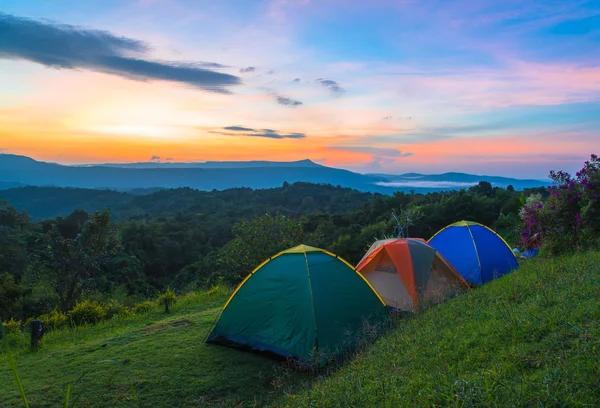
(13, 365)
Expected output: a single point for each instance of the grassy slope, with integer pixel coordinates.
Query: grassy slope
(531, 338)
(169, 364)
(528, 339)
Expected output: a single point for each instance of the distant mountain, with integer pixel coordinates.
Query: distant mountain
(207, 165)
(454, 181)
(239, 174)
(7, 185)
(21, 170)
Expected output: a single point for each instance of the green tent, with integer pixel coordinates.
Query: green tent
(304, 303)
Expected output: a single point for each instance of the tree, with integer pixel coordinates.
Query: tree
(483, 188)
(10, 217)
(408, 217)
(256, 240)
(10, 295)
(71, 262)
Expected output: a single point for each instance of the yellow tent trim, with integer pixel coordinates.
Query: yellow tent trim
(464, 224)
(500, 236)
(434, 235)
(469, 223)
(299, 250)
(357, 272)
(248, 277)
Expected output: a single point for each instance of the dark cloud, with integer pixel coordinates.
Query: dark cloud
(169, 159)
(155, 158)
(213, 65)
(277, 135)
(64, 46)
(239, 128)
(380, 163)
(387, 117)
(375, 151)
(246, 70)
(270, 72)
(268, 133)
(333, 86)
(288, 102)
(296, 80)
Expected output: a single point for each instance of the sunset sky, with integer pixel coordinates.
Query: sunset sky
(489, 87)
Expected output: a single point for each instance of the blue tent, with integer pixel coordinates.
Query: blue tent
(475, 251)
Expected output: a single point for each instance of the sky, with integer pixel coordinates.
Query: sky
(506, 87)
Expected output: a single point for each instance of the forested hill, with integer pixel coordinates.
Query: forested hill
(19, 170)
(188, 238)
(293, 199)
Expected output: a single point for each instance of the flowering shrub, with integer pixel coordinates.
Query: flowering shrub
(570, 217)
(87, 312)
(12, 325)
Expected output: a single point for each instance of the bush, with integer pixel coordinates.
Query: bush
(88, 312)
(115, 308)
(55, 320)
(570, 218)
(169, 297)
(12, 325)
(143, 307)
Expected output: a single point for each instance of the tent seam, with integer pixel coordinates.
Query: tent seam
(312, 302)
(476, 253)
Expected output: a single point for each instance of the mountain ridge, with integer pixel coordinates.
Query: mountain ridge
(18, 170)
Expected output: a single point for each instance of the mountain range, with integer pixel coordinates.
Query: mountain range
(18, 171)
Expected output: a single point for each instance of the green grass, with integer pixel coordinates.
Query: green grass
(163, 356)
(531, 338)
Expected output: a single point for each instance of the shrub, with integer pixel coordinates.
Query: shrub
(143, 307)
(115, 308)
(570, 218)
(169, 297)
(88, 312)
(12, 325)
(54, 320)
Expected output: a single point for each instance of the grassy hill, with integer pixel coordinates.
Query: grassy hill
(531, 338)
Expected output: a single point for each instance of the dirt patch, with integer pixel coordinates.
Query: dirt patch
(180, 323)
(177, 323)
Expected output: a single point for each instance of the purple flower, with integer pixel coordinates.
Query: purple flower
(539, 205)
(578, 219)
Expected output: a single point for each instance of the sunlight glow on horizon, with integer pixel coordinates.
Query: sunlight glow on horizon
(286, 81)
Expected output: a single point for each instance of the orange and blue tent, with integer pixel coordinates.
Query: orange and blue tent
(304, 304)
(477, 252)
(409, 274)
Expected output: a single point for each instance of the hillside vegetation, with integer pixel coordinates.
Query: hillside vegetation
(531, 338)
(188, 239)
